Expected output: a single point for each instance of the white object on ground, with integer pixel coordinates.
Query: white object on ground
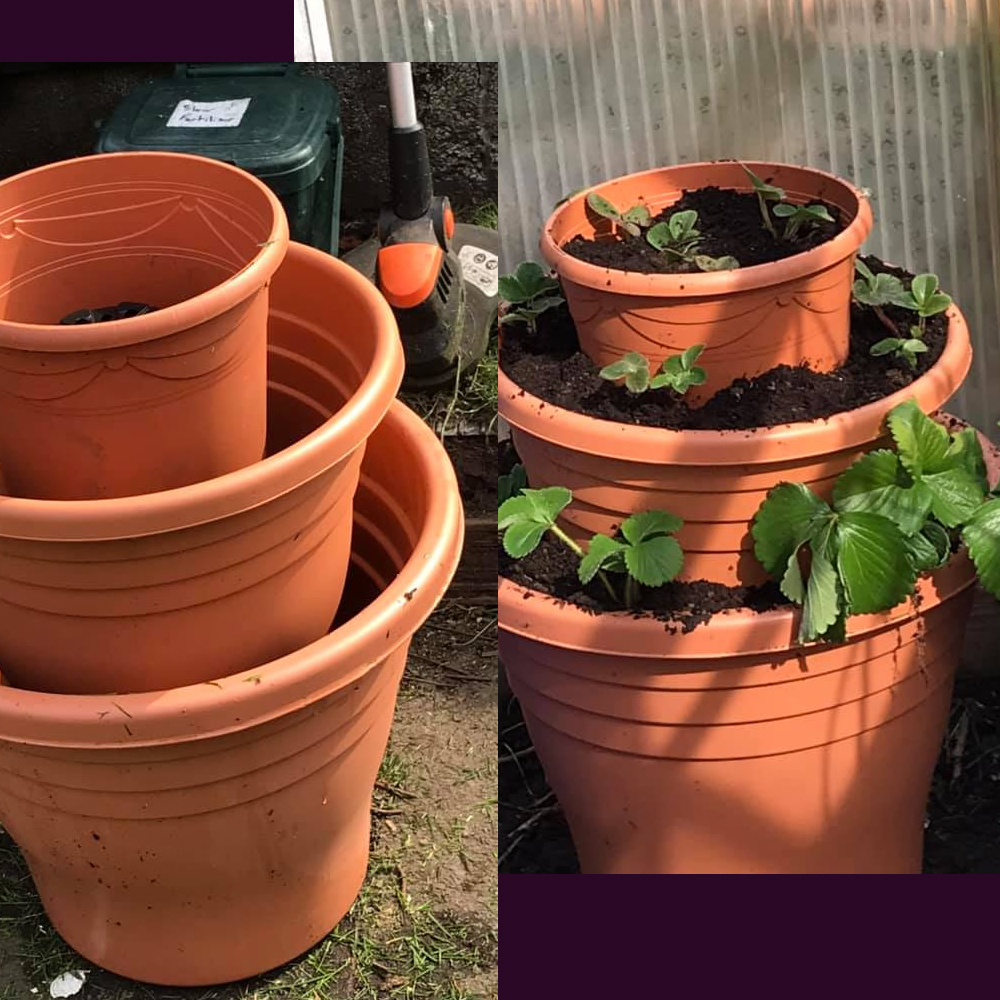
(68, 984)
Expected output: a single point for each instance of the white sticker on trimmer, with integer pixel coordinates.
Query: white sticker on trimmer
(209, 114)
(480, 267)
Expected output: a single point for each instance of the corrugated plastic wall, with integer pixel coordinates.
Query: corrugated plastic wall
(901, 96)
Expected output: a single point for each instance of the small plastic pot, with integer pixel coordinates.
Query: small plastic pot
(156, 591)
(213, 832)
(714, 480)
(794, 311)
(157, 401)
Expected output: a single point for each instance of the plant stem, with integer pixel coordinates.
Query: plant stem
(631, 591)
(885, 321)
(765, 215)
(573, 547)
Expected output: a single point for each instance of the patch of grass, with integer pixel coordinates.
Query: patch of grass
(487, 215)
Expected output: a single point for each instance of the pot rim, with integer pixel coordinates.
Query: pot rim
(606, 279)
(538, 617)
(782, 442)
(57, 339)
(268, 691)
(242, 489)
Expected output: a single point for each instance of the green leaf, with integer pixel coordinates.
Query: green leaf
(792, 585)
(878, 484)
(654, 561)
(822, 606)
(873, 562)
(930, 547)
(648, 524)
(631, 362)
(922, 443)
(914, 346)
(510, 484)
(603, 207)
(940, 539)
(690, 355)
(638, 215)
(768, 191)
(602, 553)
(886, 346)
(659, 237)
(785, 211)
(790, 515)
(982, 538)
(966, 451)
(956, 495)
(862, 268)
(528, 281)
(637, 381)
(522, 538)
(937, 303)
(923, 287)
(706, 263)
(534, 506)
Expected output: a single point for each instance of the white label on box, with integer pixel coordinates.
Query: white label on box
(480, 267)
(209, 114)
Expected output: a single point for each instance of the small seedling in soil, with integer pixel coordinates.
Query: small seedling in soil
(765, 192)
(632, 220)
(678, 372)
(679, 237)
(797, 216)
(903, 348)
(646, 552)
(530, 292)
(510, 484)
(928, 299)
(894, 515)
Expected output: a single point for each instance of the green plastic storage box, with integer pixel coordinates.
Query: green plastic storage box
(265, 118)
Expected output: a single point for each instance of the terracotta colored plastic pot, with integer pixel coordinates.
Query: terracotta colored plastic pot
(714, 480)
(151, 592)
(149, 403)
(794, 311)
(731, 750)
(213, 832)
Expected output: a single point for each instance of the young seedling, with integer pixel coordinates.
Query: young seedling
(928, 299)
(633, 220)
(679, 237)
(678, 372)
(646, 553)
(903, 348)
(765, 192)
(797, 216)
(888, 523)
(530, 292)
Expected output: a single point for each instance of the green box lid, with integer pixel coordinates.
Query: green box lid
(274, 127)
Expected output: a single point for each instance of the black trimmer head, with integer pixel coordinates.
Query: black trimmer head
(439, 276)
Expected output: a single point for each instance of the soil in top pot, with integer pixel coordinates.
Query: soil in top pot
(730, 224)
(551, 366)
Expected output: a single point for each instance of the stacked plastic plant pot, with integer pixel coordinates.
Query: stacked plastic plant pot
(736, 583)
(209, 571)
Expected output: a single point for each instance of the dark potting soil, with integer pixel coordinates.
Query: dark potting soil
(730, 223)
(550, 365)
(552, 569)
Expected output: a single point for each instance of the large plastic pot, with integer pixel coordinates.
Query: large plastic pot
(160, 590)
(212, 832)
(715, 480)
(157, 401)
(793, 311)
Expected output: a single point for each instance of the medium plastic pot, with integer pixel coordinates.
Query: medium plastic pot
(714, 480)
(213, 832)
(157, 401)
(160, 590)
(794, 311)
(732, 749)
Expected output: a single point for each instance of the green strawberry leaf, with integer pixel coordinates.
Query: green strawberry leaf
(922, 443)
(648, 524)
(886, 346)
(982, 538)
(659, 237)
(690, 355)
(725, 263)
(878, 484)
(510, 484)
(602, 553)
(873, 562)
(603, 207)
(966, 451)
(956, 495)
(534, 506)
(638, 215)
(654, 561)
(790, 515)
(522, 537)
(822, 605)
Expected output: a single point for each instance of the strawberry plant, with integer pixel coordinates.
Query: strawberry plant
(530, 292)
(679, 237)
(797, 216)
(894, 515)
(765, 192)
(677, 372)
(644, 551)
(633, 220)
